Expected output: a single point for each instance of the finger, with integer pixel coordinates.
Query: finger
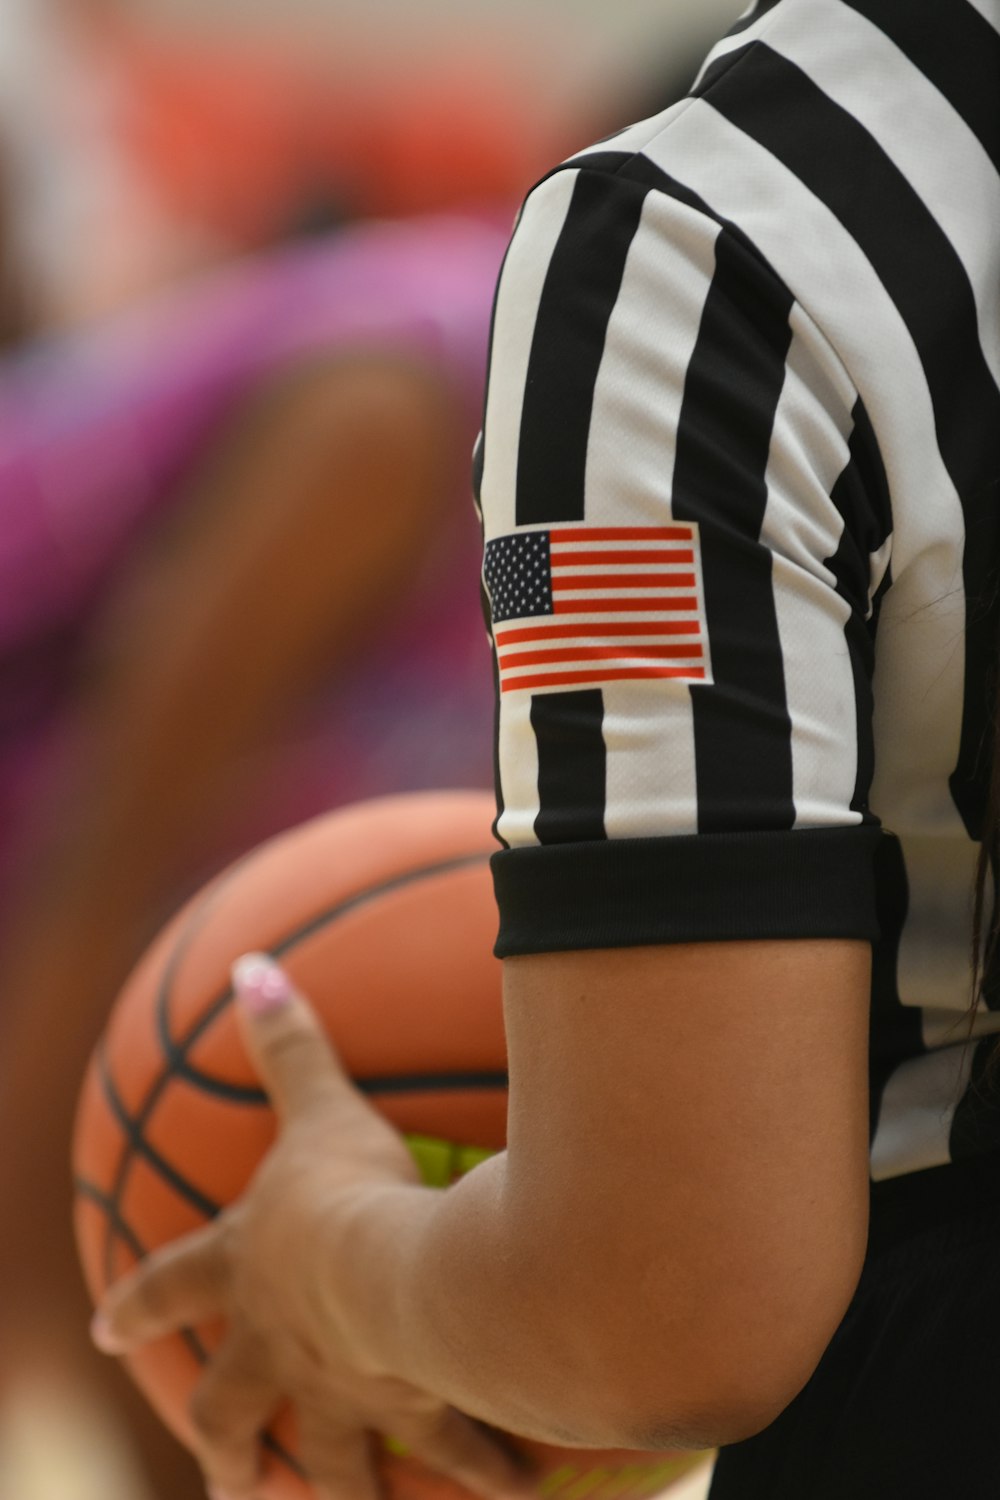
(287, 1045)
(339, 1460)
(453, 1444)
(232, 1404)
(183, 1283)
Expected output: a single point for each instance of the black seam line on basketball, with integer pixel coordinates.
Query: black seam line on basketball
(118, 1226)
(140, 1147)
(270, 1442)
(177, 1052)
(196, 920)
(125, 1232)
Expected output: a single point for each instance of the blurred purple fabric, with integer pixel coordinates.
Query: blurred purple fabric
(99, 430)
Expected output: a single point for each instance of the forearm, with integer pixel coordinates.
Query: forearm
(449, 1291)
(631, 1270)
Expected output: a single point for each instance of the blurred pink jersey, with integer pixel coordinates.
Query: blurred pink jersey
(98, 433)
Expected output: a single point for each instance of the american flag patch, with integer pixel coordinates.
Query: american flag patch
(574, 605)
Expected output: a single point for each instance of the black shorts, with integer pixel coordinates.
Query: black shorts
(905, 1403)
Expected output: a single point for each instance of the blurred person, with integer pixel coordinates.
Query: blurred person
(141, 152)
(299, 425)
(83, 223)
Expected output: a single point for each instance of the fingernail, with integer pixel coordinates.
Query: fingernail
(214, 1494)
(260, 985)
(104, 1337)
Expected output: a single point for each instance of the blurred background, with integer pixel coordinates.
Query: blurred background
(247, 255)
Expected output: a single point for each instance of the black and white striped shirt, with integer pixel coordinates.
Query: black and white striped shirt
(740, 483)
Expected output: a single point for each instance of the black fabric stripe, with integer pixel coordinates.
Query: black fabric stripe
(844, 166)
(622, 893)
(760, 9)
(847, 169)
(975, 1126)
(861, 497)
(717, 69)
(742, 730)
(579, 294)
(956, 49)
(572, 765)
(478, 469)
(970, 780)
(497, 774)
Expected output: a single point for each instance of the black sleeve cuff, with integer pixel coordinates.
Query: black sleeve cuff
(624, 893)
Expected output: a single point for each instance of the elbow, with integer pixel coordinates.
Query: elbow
(717, 1376)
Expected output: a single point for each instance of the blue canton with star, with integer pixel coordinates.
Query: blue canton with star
(518, 574)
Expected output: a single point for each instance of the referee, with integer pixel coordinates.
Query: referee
(745, 409)
(740, 486)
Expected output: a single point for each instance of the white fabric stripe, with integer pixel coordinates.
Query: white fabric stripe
(920, 669)
(854, 58)
(640, 385)
(801, 527)
(648, 727)
(634, 137)
(918, 1107)
(518, 771)
(878, 564)
(651, 774)
(934, 970)
(518, 297)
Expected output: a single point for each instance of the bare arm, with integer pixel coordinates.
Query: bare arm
(680, 1219)
(659, 1259)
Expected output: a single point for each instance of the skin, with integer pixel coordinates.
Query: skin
(660, 1257)
(168, 708)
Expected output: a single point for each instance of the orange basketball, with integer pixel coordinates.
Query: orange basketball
(383, 915)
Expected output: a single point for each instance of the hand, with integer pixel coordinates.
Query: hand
(265, 1266)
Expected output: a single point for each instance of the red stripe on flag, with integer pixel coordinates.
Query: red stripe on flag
(621, 534)
(609, 629)
(624, 581)
(648, 605)
(597, 558)
(576, 679)
(513, 659)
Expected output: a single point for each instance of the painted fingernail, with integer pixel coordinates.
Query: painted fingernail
(104, 1337)
(260, 985)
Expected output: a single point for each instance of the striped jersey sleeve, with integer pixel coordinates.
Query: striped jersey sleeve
(705, 339)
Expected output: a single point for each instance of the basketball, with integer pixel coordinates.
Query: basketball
(383, 914)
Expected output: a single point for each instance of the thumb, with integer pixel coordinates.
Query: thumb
(287, 1045)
